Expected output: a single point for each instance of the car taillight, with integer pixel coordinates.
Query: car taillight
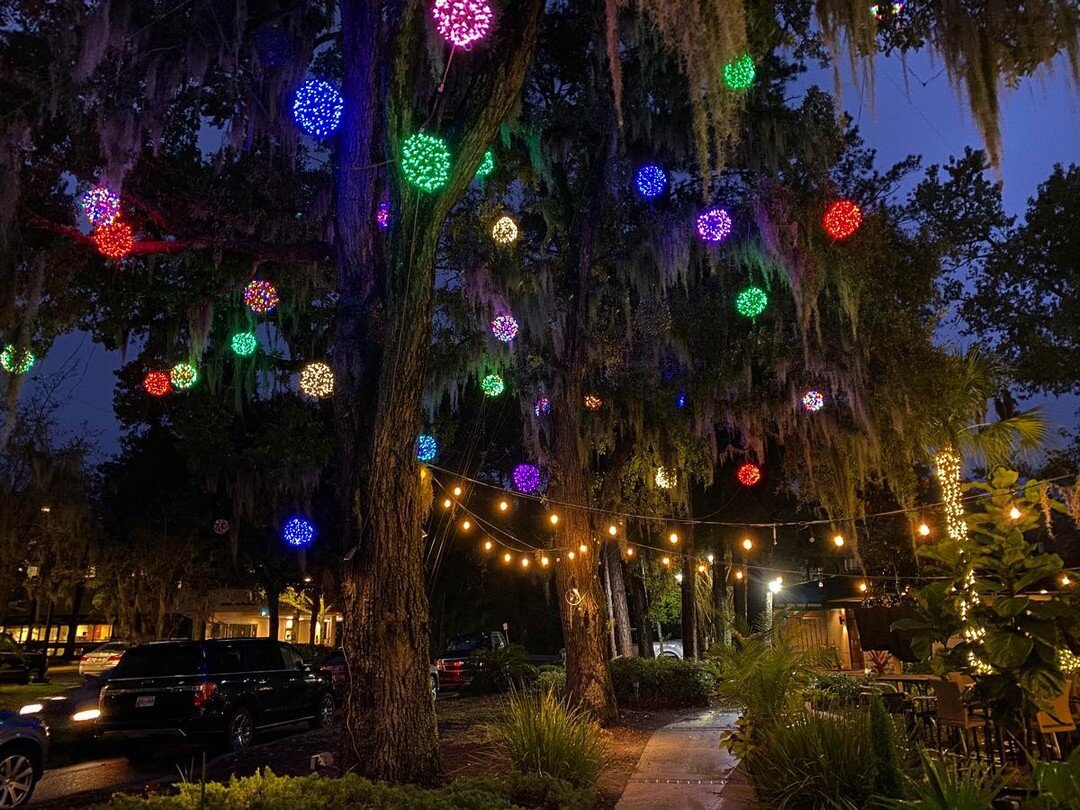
(203, 694)
(114, 657)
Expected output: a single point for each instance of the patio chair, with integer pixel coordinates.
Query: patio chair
(1058, 718)
(950, 712)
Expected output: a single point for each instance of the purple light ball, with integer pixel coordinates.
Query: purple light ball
(526, 478)
(382, 216)
(542, 407)
(504, 328)
(100, 205)
(713, 225)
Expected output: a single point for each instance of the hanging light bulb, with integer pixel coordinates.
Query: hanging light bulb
(673, 538)
(524, 562)
(629, 551)
(466, 525)
(1015, 513)
(710, 558)
(862, 587)
(924, 530)
(503, 506)
(838, 541)
(1065, 581)
(701, 568)
(666, 561)
(457, 492)
(447, 503)
(488, 545)
(613, 530)
(507, 557)
(748, 544)
(570, 555)
(776, 584)
(553, 518)
(678, 577)
(739, 574)
(583, 548)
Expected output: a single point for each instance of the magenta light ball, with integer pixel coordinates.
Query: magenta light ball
(713, 225)
(504, 328)
(461, 22)
(526, 478)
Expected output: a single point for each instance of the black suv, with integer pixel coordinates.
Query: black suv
(210, 690)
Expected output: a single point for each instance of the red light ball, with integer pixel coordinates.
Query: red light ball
(157, 383)
(748, 474)
(115, 240)
(842, 219)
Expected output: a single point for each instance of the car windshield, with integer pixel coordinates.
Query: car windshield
(464, 644)
(166, 659)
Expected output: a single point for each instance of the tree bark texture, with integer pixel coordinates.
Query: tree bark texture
(639, 603)
(620, 610)
(688, 592)
(381, 352)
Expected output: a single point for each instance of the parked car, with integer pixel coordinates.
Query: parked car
(24, 743)
(210, 692)
(19, 664)
(103, 658)
(70, 715)
(671, 648)
(453, 665)
(334, 666)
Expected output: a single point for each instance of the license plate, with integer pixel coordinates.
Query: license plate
(142, 701)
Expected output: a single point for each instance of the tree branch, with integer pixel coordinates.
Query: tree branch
(299, 253)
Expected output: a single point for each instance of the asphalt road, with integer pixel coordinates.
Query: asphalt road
(102, 774)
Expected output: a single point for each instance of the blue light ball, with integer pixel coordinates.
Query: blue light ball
(317, 108)
(427, 447)
(680, 400)
(298, 532)
(650, 181)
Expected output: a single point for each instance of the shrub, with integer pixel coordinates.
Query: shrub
(970, 786)
(542, 735)
(834, 690)
(819, 761)
(265, 791)
(662, 683)
(500, 670)
(888, 778)
(551, 679)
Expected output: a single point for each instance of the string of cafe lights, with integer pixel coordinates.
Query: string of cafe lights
(513, 548)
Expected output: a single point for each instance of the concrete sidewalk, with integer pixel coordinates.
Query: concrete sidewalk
(684, 766)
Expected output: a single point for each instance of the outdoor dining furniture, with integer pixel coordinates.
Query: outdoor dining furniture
(951, 712)
(1058, 718)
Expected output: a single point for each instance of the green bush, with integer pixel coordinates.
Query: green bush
(662, 683)
(265, 791)
(834, 690)
(543, 735)
(551, 679)
(969, 786)
(500, 670)
(820, 760)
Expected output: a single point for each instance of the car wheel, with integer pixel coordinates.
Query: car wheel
(240, 730)
(324, 711)
(16, 778)
(668, 654)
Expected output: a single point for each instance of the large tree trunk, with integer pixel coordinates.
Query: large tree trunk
(639, 603)
(382, 347)
(273, 611)
(688, 592)
(73, 622)
(620, 610)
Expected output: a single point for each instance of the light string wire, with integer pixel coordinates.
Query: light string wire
(543, 499)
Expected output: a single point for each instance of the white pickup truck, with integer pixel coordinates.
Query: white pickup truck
(667, 649)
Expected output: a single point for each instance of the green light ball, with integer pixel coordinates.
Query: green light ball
(751, 302)
(487, 165)
(425, 161)
(244, 344)
(16, 361)
(183, 376)
(492, 385)
(739, 73)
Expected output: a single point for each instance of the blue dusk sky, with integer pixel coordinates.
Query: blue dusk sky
(1039, 128)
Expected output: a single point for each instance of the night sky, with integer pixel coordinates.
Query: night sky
(1039, 128)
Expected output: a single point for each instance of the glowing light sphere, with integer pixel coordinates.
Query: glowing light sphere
(680, 400)
(751, 302)
(593, 402)
(461, 22)
(841, 219)
(382, 216)
(427, 447)
(526, 478)
(221, 526)
(157, 383)
(15, 360)
(317, 380)
(317, 108)
(487, 165)
(713, 225)
(100, 205)
(739, 73)
(261, 296)
(244, 344)
(542, 407)
(504, 328)
(813, 401)
(748, 474)
(115, 240)
(505, 231)
(183, 376)
(298, 532)
(492, 385)
(665, 478)
(273, 46)
(425, 161)
(650, 180)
